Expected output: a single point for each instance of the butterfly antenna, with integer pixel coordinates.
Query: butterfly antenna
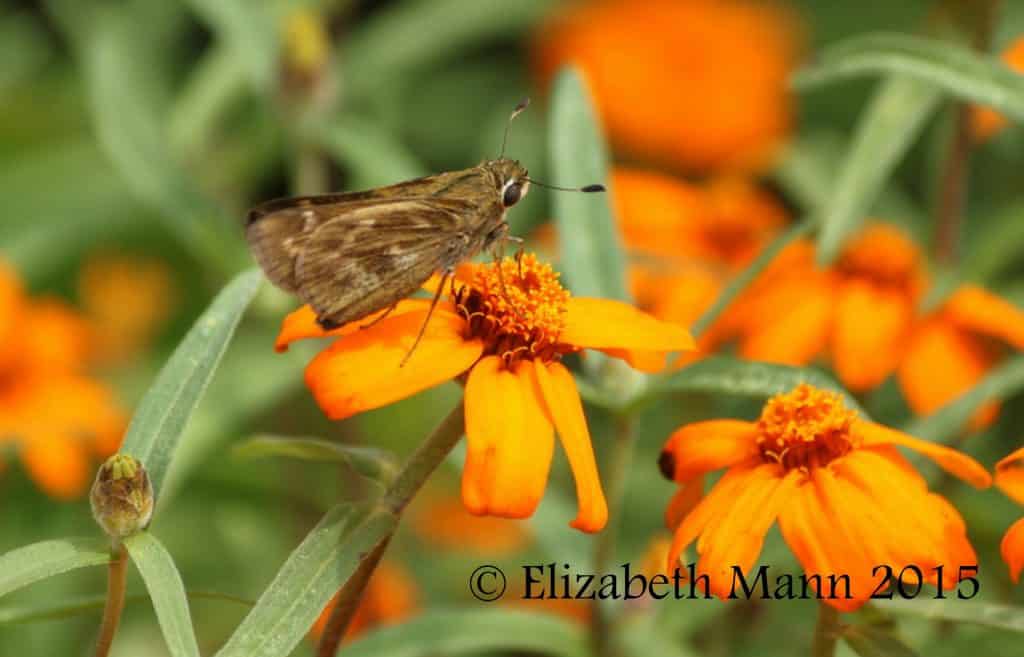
(589, 189)
(523, 104)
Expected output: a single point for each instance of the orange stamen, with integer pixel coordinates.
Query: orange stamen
(805, 428)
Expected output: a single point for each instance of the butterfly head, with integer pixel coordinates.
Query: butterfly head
(511, 180)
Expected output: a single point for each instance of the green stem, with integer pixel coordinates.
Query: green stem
(617, 469)
(826, 632)
(403, 489)
(116, 578)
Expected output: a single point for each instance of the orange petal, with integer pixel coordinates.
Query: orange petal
(950, 460)
(562, 401)
(57, 463)
(1010, 475)
(684, 501)
(941, 363)
(54, 336)
(509, 441)
(789, 324)
(1012, 549)
(301, 324)
(871, 325)
(705, 446)
(607, 324)
(362, 370)
(976, 309)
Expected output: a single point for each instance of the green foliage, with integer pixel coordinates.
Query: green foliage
(374, 464)
(38, 561)
(167, 592)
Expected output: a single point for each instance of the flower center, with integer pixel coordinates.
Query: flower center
(521, 318)
(883, 254)
(805, 428)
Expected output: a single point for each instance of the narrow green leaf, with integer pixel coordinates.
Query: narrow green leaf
(166, 591)
(249, 30)
(890, 124)
(213, 84)
(741, 378)
(949, 421)
(473, 632)
(747, 276)
(124, 107)
(1000, 617)
(311, 575)
(591, 257)
(394, 44)
(997, 245)
(167, 406)
(955, 68)
(92, 605)
(874, 641)
(25, 565)
(372, 463)
(372, 155)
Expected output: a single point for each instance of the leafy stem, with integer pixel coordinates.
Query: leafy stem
(826, 632)
(116, 580)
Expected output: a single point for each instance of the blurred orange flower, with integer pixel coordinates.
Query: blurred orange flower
(951, 350)
(845, 499)
(700, 84)
(55, 415)
(390, 596)
(1010, 479)
(126, 299)
(506, 342)
(985, 121)
(444, 521)
(861, 309)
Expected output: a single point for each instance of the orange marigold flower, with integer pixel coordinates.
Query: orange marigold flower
(861, 310)
(846, 500)
(505, 341)
(985, 121)
(390, 596)
(951, 350)
(55, 415)
(695, 83)
(1010, 479)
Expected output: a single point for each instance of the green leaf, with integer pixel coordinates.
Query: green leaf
(473, 632)
(214, 83)
(591, 257)
(168, 404)
(949, 421)
(747, 276)
(166, 591)
(873, 641)
(249, 31)
(1000, 617)
(92, 605)
(729, 376)
(955, 68)
(25, 565)
(372, 463)
(894, 118)
(394, 43)
(124, 108)
(997, 245)
(373, 156)
(311, 575)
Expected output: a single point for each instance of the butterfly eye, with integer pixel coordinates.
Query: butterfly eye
(512, 194)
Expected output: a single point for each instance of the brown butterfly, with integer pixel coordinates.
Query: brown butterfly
(351, 254)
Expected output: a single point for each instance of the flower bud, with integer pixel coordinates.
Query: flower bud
(122, 497)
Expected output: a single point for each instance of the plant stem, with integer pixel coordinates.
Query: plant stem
(414, 474)
(826, 632)
(116, 577)
(617, 468)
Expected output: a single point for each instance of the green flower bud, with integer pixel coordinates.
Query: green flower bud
(122, 497)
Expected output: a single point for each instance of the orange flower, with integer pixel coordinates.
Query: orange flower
(687, 240)
(54, 414)
(390, 596)
(950, 351)
(985, 121)
(505, 342)
(695, 83)
(1010, 479)
(444, 521)
(845, 499)
(127, 299)
(861, 309)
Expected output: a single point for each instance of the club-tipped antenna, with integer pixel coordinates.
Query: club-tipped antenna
(523, 104)
(587, 189)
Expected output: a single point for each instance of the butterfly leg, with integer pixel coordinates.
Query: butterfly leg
(445, 275)
(379, 317)
(498, 255)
